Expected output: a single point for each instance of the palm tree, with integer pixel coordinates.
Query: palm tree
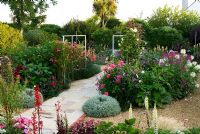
(105, 9)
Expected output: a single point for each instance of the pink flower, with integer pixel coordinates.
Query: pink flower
(172, 54)
(2, 126)
(121, 63)
(106, 93)
(189, 57)
(118, 79)
(112, 65)
(108, 76)
(105, 69)
(102, 86)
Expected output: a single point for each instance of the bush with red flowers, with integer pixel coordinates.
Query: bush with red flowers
(119, 81)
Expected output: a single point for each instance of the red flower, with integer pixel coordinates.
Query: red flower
(37, 95)
(108, 76)
(106, 93)
(53, 83)
(102, 86)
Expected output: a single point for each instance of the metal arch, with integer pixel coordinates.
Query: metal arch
(113, 42)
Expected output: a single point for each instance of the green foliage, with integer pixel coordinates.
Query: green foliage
(25, 12)
(167, 76)
(160, 131)
(104, 10)
(51, 29)
(10, 91)
(9, 38)
(130, 46)
(87, 72)
(29, 98)
(113, 22)
(192, 131)
(37, 36)
(182, 20)
(101, 106)
(164, 36)
(35, 55)
(103, 39)
(154, 85)
(120, 82)
(121, 128)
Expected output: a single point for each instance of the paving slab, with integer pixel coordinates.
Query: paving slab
(71, 102)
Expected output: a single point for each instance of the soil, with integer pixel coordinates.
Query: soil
(186, 111)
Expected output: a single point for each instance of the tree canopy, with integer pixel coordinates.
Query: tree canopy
(28, 11)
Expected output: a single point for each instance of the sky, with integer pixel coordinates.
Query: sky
(65, 10)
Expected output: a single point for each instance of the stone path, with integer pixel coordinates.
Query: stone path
(71, 102)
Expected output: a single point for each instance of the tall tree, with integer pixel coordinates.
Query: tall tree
(28, 11)
(105, 9)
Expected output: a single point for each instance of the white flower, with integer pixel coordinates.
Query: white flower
(192, 74)
(137, 39)
(197, 85)
(197, 67)
(183, 51)
(177, 56)
(135, 30)
(140, 81)
(161, 61)
(142, 71)
(189, 64)
(192, 57)
(194, 63)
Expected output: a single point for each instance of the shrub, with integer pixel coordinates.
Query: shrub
(109, 128)
(9, 38)
(101, 106)
(10, 92)
(102, 39)
(84, 127)
(164, 36)
(130, 46)
(28, 98)
(163, 82)
(181, 20)
(119, 80)
(37, 36)
(160, 131)
(51, 29)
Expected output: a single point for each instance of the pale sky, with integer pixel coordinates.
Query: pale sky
(65, 10)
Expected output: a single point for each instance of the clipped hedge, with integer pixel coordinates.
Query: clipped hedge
(101, 106)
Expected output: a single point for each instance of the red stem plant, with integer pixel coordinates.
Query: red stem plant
(37, 122)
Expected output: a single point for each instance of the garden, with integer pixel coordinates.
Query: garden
(149, 76)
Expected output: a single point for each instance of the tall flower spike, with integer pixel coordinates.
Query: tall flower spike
(146, 103)
(130, 112)
(155, 119)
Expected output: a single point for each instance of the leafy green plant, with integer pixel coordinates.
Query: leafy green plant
(37, 36)
(192, 131)
(121, 128)
(10, 92)
(51, 29)
(101, 106)
(130, 46)
(160, 131)
(164, 36)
